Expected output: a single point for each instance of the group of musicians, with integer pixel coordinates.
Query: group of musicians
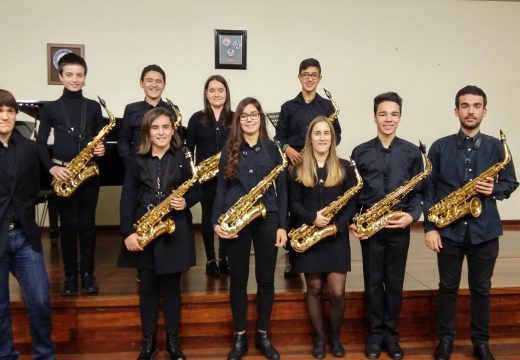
(151, 147)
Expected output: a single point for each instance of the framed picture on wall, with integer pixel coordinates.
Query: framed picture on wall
(231, 49)
(54, 54)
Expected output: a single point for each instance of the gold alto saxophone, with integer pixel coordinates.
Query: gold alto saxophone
(152, 224)
(247, 208)
(208, 169)
(377, 216)
(178, 115)
(463, 201)
(305, 236)
(81, 167)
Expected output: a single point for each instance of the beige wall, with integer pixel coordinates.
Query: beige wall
(423, 49)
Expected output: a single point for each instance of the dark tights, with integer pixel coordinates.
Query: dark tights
(151, 285)
(335, 283)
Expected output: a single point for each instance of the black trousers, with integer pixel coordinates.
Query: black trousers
(262, 233)
(481, 259)
(78, 220)
(151, 287)
(209, 191)
(384, 265)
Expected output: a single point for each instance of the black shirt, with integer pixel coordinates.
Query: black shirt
(255, 163)
(7, 169)
(384, 170)
(75, 120)
(457, 159)
(130, 130)
(295, 117)
(207, 140)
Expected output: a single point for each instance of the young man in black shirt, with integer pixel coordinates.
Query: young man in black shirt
(386, 163)
(75, 120)
(20, 242)
(456, 160)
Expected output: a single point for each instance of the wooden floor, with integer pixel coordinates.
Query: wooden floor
(118, 286)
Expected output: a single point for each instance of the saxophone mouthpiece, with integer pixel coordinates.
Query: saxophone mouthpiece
(327, 93)
(102, 102)
(502, 136)
(422, 147)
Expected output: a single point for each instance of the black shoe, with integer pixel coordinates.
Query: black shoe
(394, 350)
(239, 347)
(264, 345)
(288, 272)
(148, 347)
(336, 349)
(482, 352)
(443, 350)
(173, 347)
(372, 350)
(223, 266)
(212, 268)
(70, 286)
(318, 349)
(89, 284)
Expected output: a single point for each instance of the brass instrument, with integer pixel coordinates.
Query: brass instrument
(378, 215)
(463, 201)
(305, 236)
(178, 115)
(208, 169)
(246, 208)
(152, 224)
(81, 167)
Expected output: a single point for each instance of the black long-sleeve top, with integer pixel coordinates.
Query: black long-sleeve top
(206, 140)
(254, 165)
(295, 117)
(75, 120)
(305, 202)
(148, 181)
(384, 170)
(130, 128)
(457, 159)
(19, 186)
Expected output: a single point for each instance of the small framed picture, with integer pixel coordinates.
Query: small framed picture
(231, 49)
(54, 54)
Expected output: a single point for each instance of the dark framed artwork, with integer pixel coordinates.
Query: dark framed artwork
(231, 49)
(54, 54)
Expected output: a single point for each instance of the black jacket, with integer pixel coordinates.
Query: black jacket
(168, 253)
(22, 196)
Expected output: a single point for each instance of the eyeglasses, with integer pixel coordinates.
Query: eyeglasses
(307, 75)
(254, 116)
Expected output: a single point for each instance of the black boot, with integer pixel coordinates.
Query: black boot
(70, 286)
(264, 345)
(212, 268)
(223, 266)
(239, 347)
(336, 349)
(89, 284)
(148, 347)
(173, 347)
(318, 349)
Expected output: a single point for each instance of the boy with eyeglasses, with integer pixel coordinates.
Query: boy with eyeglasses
(297, 114)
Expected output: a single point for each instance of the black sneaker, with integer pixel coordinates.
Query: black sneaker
(212, 268)
(223, 266)
(70, 286)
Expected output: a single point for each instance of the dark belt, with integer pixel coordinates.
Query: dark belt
(15, 225)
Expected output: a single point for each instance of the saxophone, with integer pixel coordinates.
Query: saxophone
(208, 169)
(80, 167)
(377, 216)
(178, 115)
(244, 210)
(151, 225)
(305, 236)
(463, 201)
